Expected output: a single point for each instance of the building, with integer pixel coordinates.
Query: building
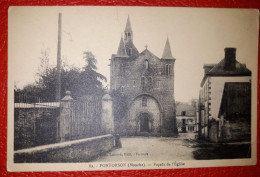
(146, 83)
(186, 117)
(225, 100)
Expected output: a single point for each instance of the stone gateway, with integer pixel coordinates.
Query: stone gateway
(146, 83)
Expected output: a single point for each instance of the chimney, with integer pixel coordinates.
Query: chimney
(230, 59)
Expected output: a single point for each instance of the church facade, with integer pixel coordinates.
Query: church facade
(146, 82)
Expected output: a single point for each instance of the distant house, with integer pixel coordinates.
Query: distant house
(186, 117)
(224, 109)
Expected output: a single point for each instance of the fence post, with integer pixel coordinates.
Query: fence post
(107, 118)
(65, 106)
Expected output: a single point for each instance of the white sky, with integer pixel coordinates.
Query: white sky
(197, 36)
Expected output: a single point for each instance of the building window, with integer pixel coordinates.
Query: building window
(146, 64)
(183, 113)
(190, 128)
(168, 69)
(142, 82)
(150, 82)
(134, 83)
(122, 89)
(130, 51)
(122, 68)
(144, 101)
(127, 35)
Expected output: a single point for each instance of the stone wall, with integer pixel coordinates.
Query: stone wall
(83, 150)
(239, 130)
(35, 126)
(230, 131)
(136, 79)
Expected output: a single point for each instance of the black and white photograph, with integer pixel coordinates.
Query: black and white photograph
(116, 88)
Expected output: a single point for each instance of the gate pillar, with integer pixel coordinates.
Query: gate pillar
(107, 117)
(64, 125)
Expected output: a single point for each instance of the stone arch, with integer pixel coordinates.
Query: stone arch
(149, 95)
(145, 118)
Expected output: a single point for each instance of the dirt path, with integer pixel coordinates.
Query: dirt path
(151, 149)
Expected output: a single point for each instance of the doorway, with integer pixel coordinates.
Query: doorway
(144, 122)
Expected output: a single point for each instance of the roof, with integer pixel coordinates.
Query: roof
(146, 51)
(239, 69)
(218, 70)
(167, 53)
(208, 67)
(126, 46)
(128, 27)
(130, 45)
(121, 52)
(188, 108)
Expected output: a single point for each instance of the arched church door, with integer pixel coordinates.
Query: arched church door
(144, 122)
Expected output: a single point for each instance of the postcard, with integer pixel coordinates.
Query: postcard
(121, 88)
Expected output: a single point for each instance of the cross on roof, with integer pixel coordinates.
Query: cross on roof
(146, 46)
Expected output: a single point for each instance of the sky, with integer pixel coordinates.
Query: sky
(197, 36)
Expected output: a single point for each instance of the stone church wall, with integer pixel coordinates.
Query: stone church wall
(144, 74)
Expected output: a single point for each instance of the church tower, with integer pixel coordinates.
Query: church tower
(131, 50)
(169, 71)
(143, 89)
(167, 53)
(167, 56)
(128, 30)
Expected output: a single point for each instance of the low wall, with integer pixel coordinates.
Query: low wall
(83, 150)
(236, 131)
(35, 126)
(230, 131)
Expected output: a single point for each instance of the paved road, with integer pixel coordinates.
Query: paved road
(151, 149)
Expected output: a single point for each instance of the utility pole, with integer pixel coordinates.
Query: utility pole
(58, 86)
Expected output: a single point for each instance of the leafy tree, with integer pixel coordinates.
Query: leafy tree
(90, 80)
(119, 104)
(44, 60)
(45, 86)
(80, 82)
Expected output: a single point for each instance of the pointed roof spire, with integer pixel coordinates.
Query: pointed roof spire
(167, 53)
(121, 52)
(128, 27)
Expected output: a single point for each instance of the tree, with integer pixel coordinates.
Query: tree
(119, 105)
(80, 82)
(44, 61)
(90, 79)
